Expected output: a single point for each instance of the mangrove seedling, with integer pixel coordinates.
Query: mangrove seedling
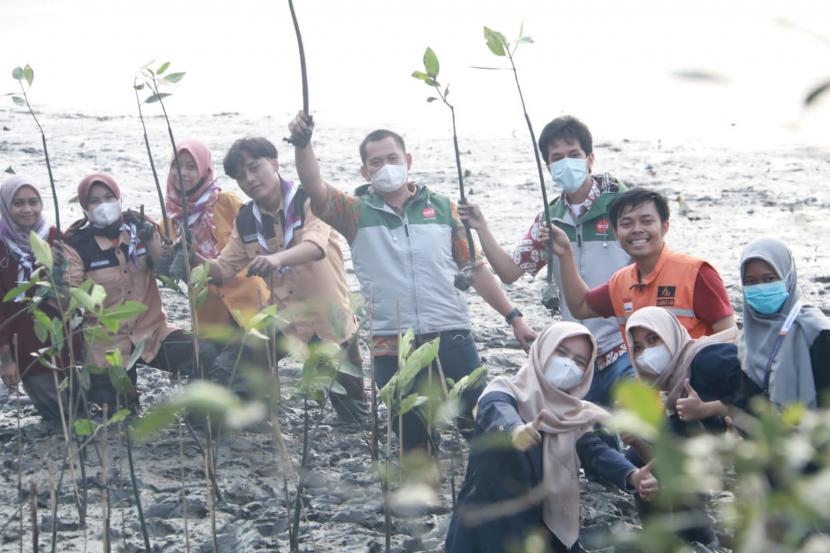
(429, 75)
(501, 47)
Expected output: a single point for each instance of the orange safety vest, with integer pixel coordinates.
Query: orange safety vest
(670, 285)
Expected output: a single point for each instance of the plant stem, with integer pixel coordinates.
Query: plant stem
(33, 509)
(303, 71)
(134, 483)
(183, 493)
(294, 545)
(105, 483)
(374, 416)
(164, 218)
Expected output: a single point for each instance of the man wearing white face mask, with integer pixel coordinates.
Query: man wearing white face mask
(407, 245)
(579, 208)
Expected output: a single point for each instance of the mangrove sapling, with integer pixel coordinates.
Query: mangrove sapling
(300, 141)
(464, 278)
(105, 495)
(33, 511)
(500, 47)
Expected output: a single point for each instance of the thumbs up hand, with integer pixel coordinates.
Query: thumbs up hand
(527, 435)
(644, 482)
(691, 407)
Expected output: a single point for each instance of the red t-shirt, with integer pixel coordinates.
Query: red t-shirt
(711, 302)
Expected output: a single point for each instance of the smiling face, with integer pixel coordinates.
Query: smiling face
(758, 271)
(189, 169)
(640, 231)
(576, 348)
(257, 177)
(26, 207)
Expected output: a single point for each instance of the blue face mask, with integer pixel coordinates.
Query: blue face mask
(569, 173)
(768, 297)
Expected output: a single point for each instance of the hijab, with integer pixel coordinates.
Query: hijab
(111, 231)
(791, 369)
(566, 418)
(16, 237)
(681, 345)
(200, 199)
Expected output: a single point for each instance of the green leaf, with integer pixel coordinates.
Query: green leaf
(641, 399)
(154, 420)
(420, 75)
(9, 170)
(405, 346)
(42, 325)
(200, 298)
(495, 41)
(410, 402)
(446, 91)
(351, 370)
(119, 416)
(115, 358)
(431, 82)
(472, 380)
(337, 388)
(17, 73)
(156, 97)
(98, 293)
(41, 249)
(162, 68)
(85, 427)
(524, 39)
(136, 354)
(431, 62)
(18, 100)
(83, 379)
(422, 356)
(816, 93)
(29, 74)
(139, 86)
(16, 291)
(120, 379)
(431, 99)
(337, 322)
(83, 298)
(173, 78)
(127, 311)
(64, 385)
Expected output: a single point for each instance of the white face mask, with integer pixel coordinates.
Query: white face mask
(105, 214)
(389, 178)
(563, 373)
(654, 360)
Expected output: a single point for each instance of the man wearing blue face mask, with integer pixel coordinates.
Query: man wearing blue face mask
(580, 204)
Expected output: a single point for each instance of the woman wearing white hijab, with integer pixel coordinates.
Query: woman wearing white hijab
(533, 485)
(697, 376)
(785, 347)
(21, 212)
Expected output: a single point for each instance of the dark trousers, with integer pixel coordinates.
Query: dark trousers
(458, 356)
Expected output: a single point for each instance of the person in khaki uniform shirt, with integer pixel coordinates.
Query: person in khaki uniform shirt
(117, 251)
(277, 237)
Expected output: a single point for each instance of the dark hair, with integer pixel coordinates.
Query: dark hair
(256, 147)
(569, 129)
(378, 135)
(635, 198)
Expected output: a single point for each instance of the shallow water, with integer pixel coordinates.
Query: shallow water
(732, 195)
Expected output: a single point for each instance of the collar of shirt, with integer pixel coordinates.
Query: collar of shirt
(578, 210)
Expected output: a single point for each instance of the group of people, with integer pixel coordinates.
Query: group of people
(632, 308)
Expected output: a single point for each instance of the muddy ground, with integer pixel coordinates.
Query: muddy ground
(721, 198)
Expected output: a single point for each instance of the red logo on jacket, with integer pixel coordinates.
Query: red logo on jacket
(602, 226)
(428, 213)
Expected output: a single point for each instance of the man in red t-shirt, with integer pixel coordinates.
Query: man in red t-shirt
(689, 287)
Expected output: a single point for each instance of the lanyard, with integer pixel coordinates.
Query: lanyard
(785, 329)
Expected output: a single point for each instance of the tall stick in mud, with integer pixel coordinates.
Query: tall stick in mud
(374, 414)
(500, 47)
(464, 278)
(210, 467)
(164, 219)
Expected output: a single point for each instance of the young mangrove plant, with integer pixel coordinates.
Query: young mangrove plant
(429, 75)
(501, 47)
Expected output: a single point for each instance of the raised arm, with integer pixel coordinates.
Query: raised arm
(501, 261)
(308, 169)
(573, 287)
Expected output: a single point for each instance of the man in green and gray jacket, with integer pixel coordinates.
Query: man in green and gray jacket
(581, 211)
(407, 245)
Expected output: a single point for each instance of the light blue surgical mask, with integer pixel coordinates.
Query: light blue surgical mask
(768, 297)
(569, 173)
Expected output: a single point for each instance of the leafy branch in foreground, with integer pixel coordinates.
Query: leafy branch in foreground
(429, 76)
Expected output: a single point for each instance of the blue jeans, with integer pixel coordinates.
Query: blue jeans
(458, 356)
(604, 380)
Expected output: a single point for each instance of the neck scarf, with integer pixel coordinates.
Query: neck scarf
(200, 200)
(15, 236)
(568, 417)
(767, 349)
(683, 348)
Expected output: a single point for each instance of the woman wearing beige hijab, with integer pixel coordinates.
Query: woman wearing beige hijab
(531, 486)
(696, 376)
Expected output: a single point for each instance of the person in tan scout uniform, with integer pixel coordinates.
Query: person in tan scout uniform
(277, 237)
(117, 250)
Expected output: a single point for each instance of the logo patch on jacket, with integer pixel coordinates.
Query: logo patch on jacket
(602, 226)
(428, 212)
(665, 296)
(628, 305)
